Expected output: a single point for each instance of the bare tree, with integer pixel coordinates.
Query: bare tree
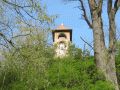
(104, 57)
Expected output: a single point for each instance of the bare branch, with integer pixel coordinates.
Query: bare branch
(85, 15)
(5, 38)
(30, 15)
(8, 26)
(100, 2)
(109, 8)
(5, 45)
(116, 5)
(86, 43)
(14, 4)
(92, 5)
(23, 18)
(20, 35)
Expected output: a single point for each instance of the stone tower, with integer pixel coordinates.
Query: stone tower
(62, 37)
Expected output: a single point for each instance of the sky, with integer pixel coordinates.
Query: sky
(70, 16)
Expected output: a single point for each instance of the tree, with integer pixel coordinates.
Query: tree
(104, 57)
(25, 66)
(17, 13)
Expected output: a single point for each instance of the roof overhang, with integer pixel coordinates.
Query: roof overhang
(64, 30)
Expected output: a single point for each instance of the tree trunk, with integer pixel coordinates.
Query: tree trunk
(111, 69)
(99, 43)
(105, 60)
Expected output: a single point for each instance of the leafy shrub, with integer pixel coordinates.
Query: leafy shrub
(72, 74)
(74, 52)
(51, 74)
(33, 67)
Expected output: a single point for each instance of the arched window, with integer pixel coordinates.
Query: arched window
(62, 35)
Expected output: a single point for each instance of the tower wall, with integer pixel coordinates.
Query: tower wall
(62, 36)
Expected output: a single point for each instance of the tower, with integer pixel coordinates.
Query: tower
(62, 37)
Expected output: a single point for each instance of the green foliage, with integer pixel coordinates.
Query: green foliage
(118, 61)
(72, 74)
(118, 48)
(24, 67)
(102, 85)
(33, 67)
(74, 52)
(41, 73)
(25, 70)
(118, 67)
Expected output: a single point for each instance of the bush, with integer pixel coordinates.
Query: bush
(51, 74)
(74, 52)
(72, 74)
(33, 67)
(24, 68)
